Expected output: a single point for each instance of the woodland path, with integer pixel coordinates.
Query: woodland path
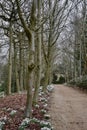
(68, 109)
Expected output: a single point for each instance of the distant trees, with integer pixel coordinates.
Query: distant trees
(74, 43)
(79, 26)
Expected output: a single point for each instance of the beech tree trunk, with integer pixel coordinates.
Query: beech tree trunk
(31, 67)
(38, 71)
(10, 62)
(30, 35)
(21, 62)
(16, 69)
(46, 77)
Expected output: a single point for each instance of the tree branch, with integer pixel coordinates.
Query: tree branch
(26, 28)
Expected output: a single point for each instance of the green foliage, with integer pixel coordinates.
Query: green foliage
(3, 87)
(2, 123)
(24, 124)
(21, 128)
(45, 124)
(43, 111)
(59, 81)
(80, 82)
(47, 117)
(13, 112)
(35, 120)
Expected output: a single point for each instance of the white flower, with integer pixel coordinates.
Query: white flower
(40, 94)
(33, 89)
(2, 123)
(25, 122)
(43, 99)
(13, 112)
(35, 120)
(22, 108)
(41, 87)
(45, 128)
(47, 116)
(9, 109)
(37, 106)
(43, 111)
(45, 105)
(3, 118)
(50, 87)
(45, 123)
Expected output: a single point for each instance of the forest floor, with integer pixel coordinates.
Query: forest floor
(68, 108)
(12, 111)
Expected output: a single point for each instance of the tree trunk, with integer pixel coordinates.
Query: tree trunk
(38, 74)
(46, 77)
(50, 74)
(17, 79)
(10, 62)
(31, 67)
(25, 69)
(16, 71)
(21, 63)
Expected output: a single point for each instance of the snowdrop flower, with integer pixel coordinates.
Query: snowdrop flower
(45, 128)
(43, 99)
(9, 109)
(33, 89)
(25, 122)
(35, 120)
(43, 111)
(45, 123)
(47, 116)
(13, 112)
(5, 118)
(40, 94)
(2, 123)
(45, 105)
(22, 108)
(37, 106)
(41, 87)
(50, 88)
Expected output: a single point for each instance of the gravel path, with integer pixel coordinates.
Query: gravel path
(68, 109)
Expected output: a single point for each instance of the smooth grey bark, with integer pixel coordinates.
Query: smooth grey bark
(39, 45)
(31, 67)
(16, 68)
(21, 61)
(30, 35)
(10, 61)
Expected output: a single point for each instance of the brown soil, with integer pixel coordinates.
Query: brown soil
(68, 109)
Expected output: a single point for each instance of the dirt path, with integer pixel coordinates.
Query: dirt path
(68, 109)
